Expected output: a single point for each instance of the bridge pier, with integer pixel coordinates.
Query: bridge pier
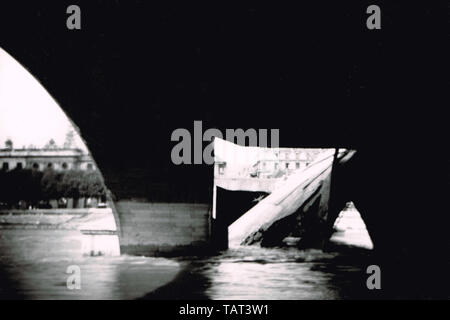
(160, 229)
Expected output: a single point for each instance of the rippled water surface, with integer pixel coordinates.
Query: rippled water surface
(258, 273)
(33, 265)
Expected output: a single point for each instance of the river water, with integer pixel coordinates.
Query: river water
(34, 264)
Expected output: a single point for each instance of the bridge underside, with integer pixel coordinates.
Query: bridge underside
(384, 94)
(403, 207)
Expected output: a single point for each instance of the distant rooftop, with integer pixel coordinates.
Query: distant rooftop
(5, 152)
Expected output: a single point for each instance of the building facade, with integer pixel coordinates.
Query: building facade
(41, 159)
(276, 162)
(232, 161)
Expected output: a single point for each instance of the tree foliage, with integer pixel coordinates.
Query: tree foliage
(32, 186)
(9, 144)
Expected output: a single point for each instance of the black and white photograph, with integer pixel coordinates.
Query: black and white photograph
(252, 153)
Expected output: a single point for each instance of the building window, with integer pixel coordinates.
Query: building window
(35, 166)
(50, 165)
(5, 166)
(297, 165)
(19, 166)
(90, 166)
(65, 166)
(287, 165)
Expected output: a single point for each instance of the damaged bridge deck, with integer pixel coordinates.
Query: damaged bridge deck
(299, 206)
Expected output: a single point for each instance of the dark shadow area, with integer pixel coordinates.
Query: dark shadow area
(9, 288)
(189, 284)
(231, 205)
(325, 79)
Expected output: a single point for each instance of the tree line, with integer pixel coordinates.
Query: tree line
(34, 186)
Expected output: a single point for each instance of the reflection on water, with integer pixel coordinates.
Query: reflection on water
(33, 265)
(247, 273)
(260, 273)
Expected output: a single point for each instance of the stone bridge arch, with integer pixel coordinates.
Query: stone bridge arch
(15, 78)
(400, 187)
